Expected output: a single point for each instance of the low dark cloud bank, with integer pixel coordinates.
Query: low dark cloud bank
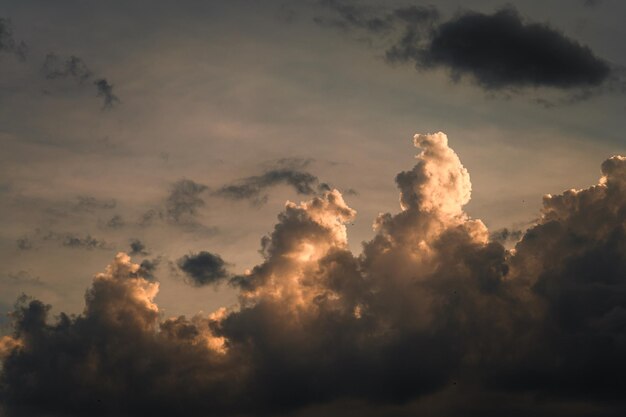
(435, 317)
(497, 51)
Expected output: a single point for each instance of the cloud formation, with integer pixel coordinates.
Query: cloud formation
(497, 51)
(8, 44)
(203, 268)
(432, 312)
(73, 66)
(105, 90)
(253, 188)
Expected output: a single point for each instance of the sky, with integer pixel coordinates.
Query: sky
(313, 207)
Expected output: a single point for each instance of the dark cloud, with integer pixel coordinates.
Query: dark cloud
(24, 243)
(74, 241)
(501, 50)
(21, 279)
(434, 317)
(497, 51)
(8, 44)
(137, 247)
(115, 222)
(351, 16)
(506, 235)
(105, 90)
(90, 204)
(204, 268)
(73, 66)
(55, 67)
(252, 188)
(148, 267)
(183, 202)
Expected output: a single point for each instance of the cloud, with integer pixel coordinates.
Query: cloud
(498, 51)
(252, 188)
(91, 204)
(8, 44)
(203, 268)
(73, 66)
(55, 67)
(24, 243)
(137, 247)
(501, 50)
(74, 241)
(506, 235)
(184, 200)
(105, 90)
(115, 222)
(433, 313)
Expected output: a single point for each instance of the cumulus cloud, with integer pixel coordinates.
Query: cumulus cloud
(8, 44)
(203, 268)
(432, 311)
(497, 51)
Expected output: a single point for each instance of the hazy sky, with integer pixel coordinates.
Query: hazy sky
(176, 131)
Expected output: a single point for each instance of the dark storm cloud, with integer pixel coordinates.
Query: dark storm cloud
(252, 188)
(433, 312)
(73, 66)
(497, 51)
(105, 90)
(8, 44)
(203, 268)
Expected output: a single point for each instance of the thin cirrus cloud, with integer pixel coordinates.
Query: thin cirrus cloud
(434, 314)
(497, 51)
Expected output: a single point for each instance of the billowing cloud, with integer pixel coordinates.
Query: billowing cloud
(204, 268)
(432, 311)
(497, 51)
(8, 44)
